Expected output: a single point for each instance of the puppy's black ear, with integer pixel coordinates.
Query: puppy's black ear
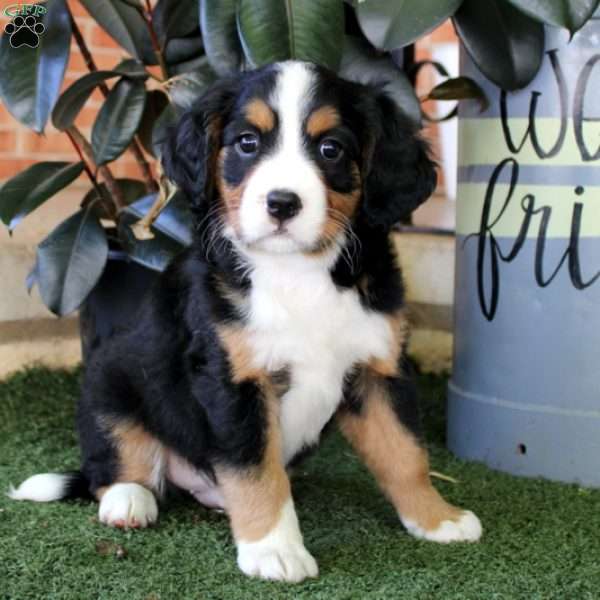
(400, 174)
(190, 150)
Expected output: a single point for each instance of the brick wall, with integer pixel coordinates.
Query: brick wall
(20, 147)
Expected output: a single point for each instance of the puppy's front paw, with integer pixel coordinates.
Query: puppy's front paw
(465, 528)
(279, 555)
(128, 505)
(292, 563)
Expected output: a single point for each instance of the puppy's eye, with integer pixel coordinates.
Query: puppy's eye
(248, 143)
(331, 149)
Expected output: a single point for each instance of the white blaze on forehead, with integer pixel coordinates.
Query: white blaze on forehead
(287, 166)
(290, 99)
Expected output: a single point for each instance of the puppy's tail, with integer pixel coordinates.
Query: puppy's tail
(48, 487)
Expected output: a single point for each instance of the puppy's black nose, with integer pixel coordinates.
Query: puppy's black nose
(283, 204)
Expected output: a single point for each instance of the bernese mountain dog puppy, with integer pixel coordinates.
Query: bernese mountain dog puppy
(285, 314)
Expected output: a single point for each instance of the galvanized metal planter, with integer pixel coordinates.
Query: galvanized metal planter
(525, 391)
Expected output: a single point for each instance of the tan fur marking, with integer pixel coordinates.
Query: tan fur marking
(260, 114)
(101, 491)
(255, 498)
(399, 464)
(388, 366)
(142, 458)
(235, 297)
(213, 130)
(241, 358)
(321, 120)
(340, 208)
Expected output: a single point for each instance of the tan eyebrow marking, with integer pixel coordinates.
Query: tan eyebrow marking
(260, 114)
(321, 120)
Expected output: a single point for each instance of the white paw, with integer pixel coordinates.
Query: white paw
(466, 529)
(128, 505)
(281, 554)
(292, 563)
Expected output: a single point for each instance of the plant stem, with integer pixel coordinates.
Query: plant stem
(85, 52)
(110, 209)
(107, 176)
(147, 14)
(86, 167)
(149, 180)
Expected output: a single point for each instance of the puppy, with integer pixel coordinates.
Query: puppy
(285, 313)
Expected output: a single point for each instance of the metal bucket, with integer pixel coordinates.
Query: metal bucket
(524, 396)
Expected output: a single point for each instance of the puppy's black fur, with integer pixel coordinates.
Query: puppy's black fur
(169, 372)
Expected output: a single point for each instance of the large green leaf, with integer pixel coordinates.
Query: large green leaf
(218, 22)
(459, 88)
(361, 63)
(125, 24)
(118, 120)
(70, 261)
(273, 30)
(30, 78)
(174, 220)
(168, 118)
(505, 44)
(26, 191)
(156, 102)
(75, 96)
(185, 89)
(154, 253)
(394, 24)
(571, 14)
(186, 66)
(182, 49)
(131, 190)
(174, 18)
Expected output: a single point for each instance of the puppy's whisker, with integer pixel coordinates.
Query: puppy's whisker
(343, 220)
(211, 211)
(217, 240)
(208, 228)
(343, 250)
(351, 249)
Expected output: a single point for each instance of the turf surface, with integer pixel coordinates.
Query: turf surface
(541, 539)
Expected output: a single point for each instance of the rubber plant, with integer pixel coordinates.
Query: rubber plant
(175, 49)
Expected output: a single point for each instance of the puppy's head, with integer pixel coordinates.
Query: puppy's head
(288, 157)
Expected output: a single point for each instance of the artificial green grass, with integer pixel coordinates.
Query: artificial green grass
(541, 539)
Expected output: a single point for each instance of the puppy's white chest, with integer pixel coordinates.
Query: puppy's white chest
(299, 320)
